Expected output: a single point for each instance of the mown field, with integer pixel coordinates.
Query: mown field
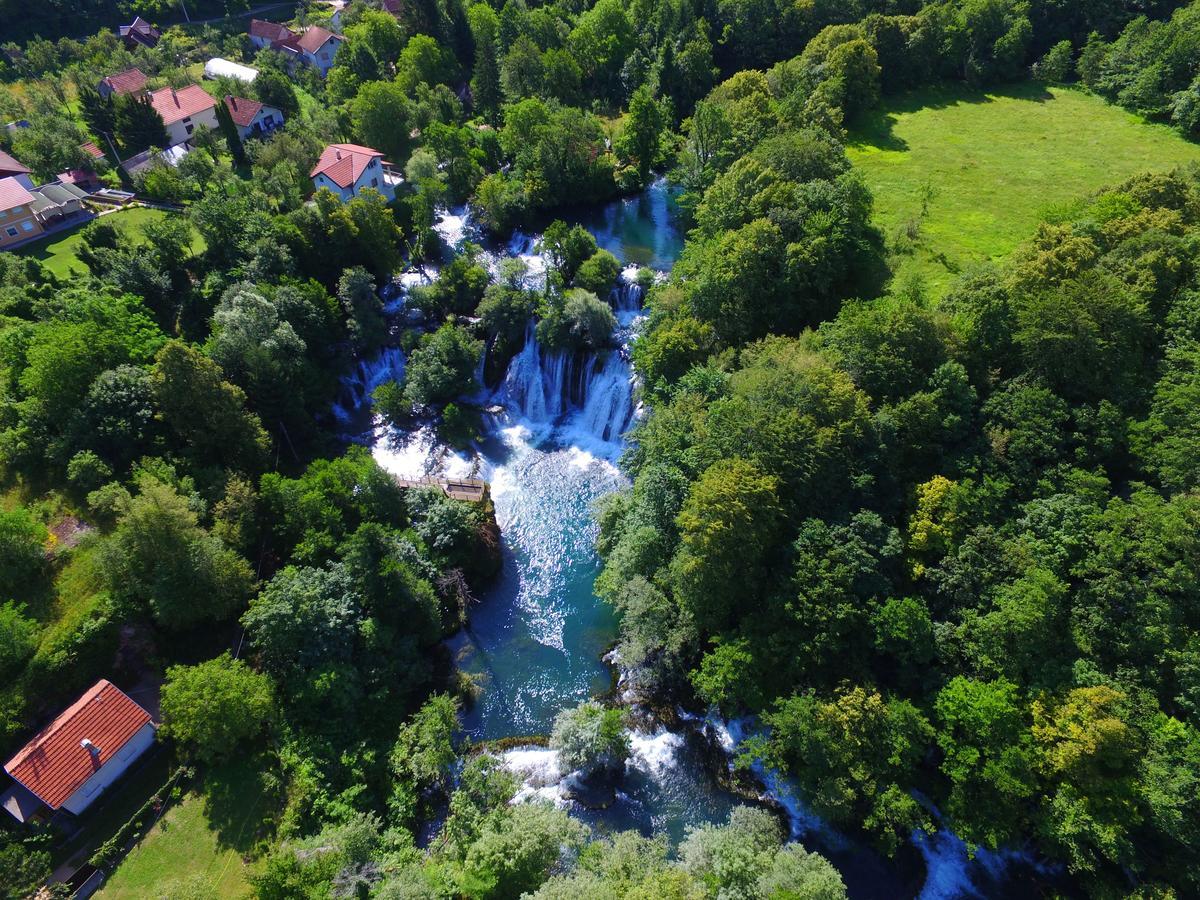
(204, 846)
(962, 176)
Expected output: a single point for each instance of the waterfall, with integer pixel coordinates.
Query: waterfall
(628, 293)
(591, 394)
(368, 374)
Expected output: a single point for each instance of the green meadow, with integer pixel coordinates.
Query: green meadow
(961, 177)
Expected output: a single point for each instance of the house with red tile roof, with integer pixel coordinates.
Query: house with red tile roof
(131, 81)
(251, 118)
(315, 46)
(348, 169)
(18, 221)
(75, 758)
(265, 34)
(183, 110)
(140, 33)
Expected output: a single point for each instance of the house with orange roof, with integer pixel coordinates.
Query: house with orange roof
(183, 110)
(349, 169)
(315, 46)
(72, 761)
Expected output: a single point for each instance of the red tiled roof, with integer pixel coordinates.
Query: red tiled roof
(91, 150)
(174, 105)
(314, 39)
(128, 82)
(13, 193)
(242, 111)
(343, 164)
(270, 31)
(54, 765)
(10, 166)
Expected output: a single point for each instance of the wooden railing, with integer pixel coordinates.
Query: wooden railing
(471, 489)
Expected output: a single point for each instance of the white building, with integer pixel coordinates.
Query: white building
(348, 169)
(75, 758)
(226, 68)
(183, 110)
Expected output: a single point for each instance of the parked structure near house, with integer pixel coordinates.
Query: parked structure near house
(315, 46)
(140, 33)
(56, 201)
(348, 169)
(226, 68)
(17, 220)
(139, 162)
(11, 167)
(131, 81)
(252, 119)
(183, 110)
(75, 758)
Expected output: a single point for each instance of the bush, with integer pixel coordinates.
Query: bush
(591, 738)
(581, 321)
(216, 706)
(599, 273)
(1057, 66)
(443, 367)
(22, 550)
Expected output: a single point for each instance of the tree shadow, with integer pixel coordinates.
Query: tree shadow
(876, 128)
(239, 803)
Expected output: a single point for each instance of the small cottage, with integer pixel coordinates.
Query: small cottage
(71, 762)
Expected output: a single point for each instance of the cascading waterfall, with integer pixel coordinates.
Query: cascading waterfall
(368, 374)
(589, 393)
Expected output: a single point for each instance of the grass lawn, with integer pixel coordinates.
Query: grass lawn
(57, 251)
(116, 808)
(988, 167)
(202, 840)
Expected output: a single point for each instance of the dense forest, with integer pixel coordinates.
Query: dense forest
(942, 549)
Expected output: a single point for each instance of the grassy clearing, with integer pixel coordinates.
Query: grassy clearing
(58, 251)
(203, 841)
(961, 177)
(116, 807)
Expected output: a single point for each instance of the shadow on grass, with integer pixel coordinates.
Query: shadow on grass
(876, 128)
(240, 803)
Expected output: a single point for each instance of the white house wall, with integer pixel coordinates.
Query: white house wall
(177, 132)
(111, 770)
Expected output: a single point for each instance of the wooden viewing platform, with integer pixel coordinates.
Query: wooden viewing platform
(455, 488)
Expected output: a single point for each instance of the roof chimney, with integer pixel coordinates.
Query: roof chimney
(89, 747)
(174, 96)
(232, 101)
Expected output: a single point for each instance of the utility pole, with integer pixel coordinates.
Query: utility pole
(112, 146)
